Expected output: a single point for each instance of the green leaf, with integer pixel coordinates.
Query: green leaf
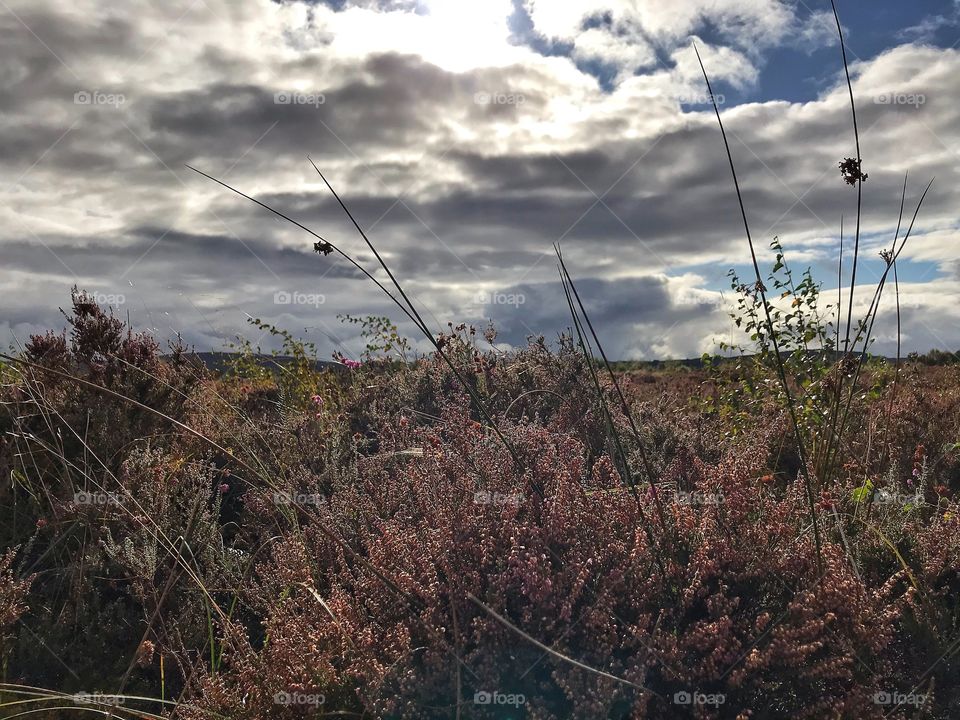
(862, 493)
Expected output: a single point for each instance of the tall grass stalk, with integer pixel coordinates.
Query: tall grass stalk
(406, 306)
(867, 329)
(624, 405)
(555, 653)
(896, 287)
(620, 453)
(781, 371)
(839, 285)
(856, 136)
(833, 436)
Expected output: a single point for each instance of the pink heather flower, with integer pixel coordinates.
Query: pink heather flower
(352, 364)
(223, 487)
(316, 400)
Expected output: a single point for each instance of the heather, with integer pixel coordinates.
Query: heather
(357, 534)
(447, 527)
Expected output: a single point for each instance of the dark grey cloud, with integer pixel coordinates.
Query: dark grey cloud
(638, 315)
(227, 258)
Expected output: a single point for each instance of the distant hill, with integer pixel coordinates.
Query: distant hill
(220, 361)
(934, 357)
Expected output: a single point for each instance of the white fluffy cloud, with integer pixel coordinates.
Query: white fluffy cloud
(744, 21)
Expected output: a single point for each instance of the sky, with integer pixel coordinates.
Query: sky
(468, 137)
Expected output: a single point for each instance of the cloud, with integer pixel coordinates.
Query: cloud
(465, 166)
(927, 28)
(817, 30)
(744, 23)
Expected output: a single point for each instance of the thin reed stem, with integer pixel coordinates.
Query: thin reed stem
(859, 170)
(406, 306)
(644, 458)
(801, 450)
